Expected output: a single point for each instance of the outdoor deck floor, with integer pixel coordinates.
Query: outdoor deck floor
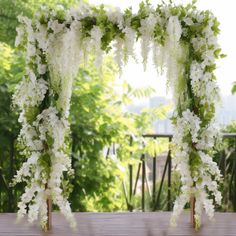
(120, 224)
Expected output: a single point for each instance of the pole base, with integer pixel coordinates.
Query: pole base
(49, 214)
(192, 211)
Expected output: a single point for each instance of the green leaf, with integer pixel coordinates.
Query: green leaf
(233, 90)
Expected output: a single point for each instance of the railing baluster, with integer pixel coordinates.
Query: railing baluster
(126, 195)
(136, 180)
(108, 152)
(223, 164)
(143, 182)
(130, 186)
(162, 181)
(154, 163)
(130, 177)
(169, 179)
(154, 180)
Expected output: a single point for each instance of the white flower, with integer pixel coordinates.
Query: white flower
(42, 68)
(188, 21)
(41, 37)
(203, 85)
(96, 35)
(33, 212)
(63, 57)
(198, 43)
(25, 169)
(30, 93)
(159, 57)
(193, 122)
(179, 204)
(173, 52)
(199, 17)
(146, 30)
(28, 26)
(81, 11)
(55, 26)
(210, 165)
(130, 36)
(43, 212)
(116, 17)
(188, 123)
(207, 137)
(118, 45)
(63, 102)
(31, 50)
(209, 207)
(174, 28)
(218, 197)
(20, 34)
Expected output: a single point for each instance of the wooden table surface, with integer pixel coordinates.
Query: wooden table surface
(121, 224)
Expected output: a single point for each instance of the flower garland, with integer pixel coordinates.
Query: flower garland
(183, 40)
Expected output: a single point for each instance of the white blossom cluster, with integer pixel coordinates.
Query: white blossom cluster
(203, 83)
(46, 125)
(96, 35)
(207, 175)
(191, 136)
(146, 30)
(116, 17)
(173, 50)
(30, 91)
(44, 136)
(189, 123)
(130, 36)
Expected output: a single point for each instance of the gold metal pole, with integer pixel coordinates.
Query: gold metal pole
(49, 214)
(192, 211)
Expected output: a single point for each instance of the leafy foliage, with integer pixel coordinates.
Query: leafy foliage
(11, 9)
(234, 88)
(10, 73)
(98, 123)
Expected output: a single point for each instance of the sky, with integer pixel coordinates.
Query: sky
(224, 10)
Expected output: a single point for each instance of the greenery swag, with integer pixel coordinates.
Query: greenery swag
(183, 42)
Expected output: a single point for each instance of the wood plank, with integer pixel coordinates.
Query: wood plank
(121, 224)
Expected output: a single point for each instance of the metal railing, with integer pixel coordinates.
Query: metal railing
(138, 181)
(167, 175)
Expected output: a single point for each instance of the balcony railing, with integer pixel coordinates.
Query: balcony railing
(226, 161)
(154, 189)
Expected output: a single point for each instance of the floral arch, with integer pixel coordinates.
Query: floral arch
(182, 39)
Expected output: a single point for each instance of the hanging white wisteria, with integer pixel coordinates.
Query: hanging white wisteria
(57, 41)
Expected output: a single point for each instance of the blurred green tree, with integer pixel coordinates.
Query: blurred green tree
(11, 70)
(10, 9)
